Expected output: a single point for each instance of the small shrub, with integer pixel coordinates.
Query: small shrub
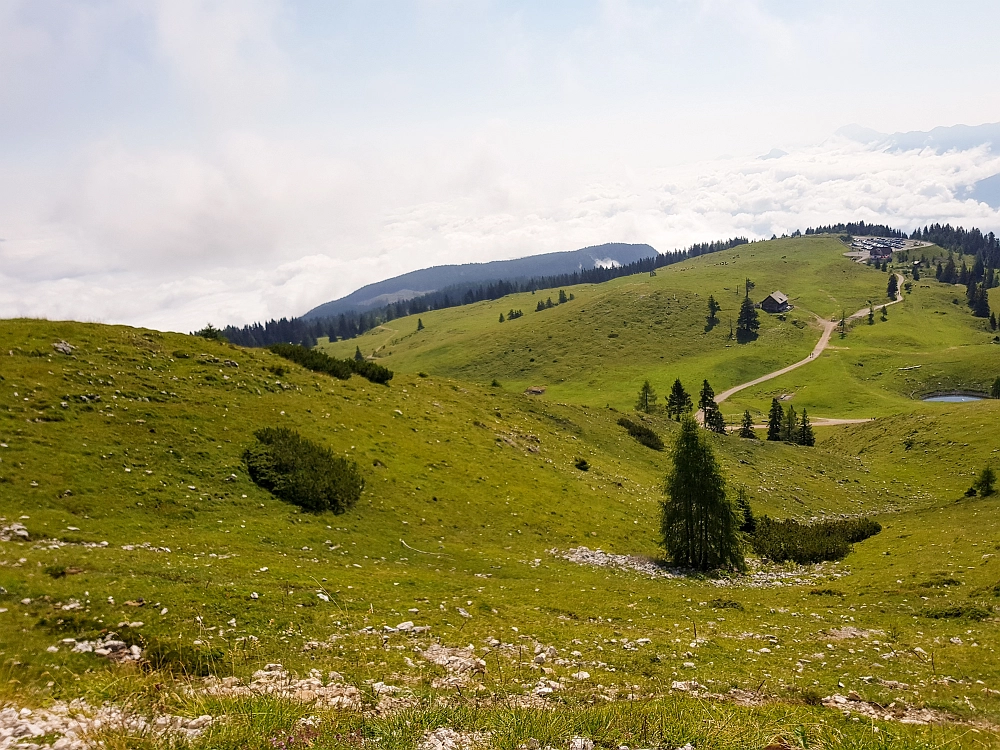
(826, 592)
(180, 659)
(495, 383)
(341, 369)
(643, 434)
(725, 604)
(299, 471)
(780, 541)
(969, 611)
(56, 571)
(581, 464)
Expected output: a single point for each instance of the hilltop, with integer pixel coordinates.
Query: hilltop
(459, 277)
(120, 457)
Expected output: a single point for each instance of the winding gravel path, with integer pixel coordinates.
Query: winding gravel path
(829, 326)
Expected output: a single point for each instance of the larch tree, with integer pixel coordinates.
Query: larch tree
(647, 399)
(699, 527)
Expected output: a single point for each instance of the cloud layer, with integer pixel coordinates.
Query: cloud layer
(176, 162)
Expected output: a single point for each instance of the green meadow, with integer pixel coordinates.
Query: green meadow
(123, 461)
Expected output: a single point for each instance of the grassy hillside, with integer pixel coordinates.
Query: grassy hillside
(472, 500)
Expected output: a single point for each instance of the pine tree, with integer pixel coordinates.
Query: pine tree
(678, 402)
(995, 390)
(647, 399)
(993, 321)
(893, 288)
(871, 313)
(748, 322)
(746, 427)
(358, 356)
(774, 419)
(806, 436)
(420, 324)
(790, 426)
(885, 313)
(699, 526)
(940, 271)
(706, 399)
(562, 297)
(501, 317)
(749, 525)
(548, 303)
(916, 273)
(985, 481)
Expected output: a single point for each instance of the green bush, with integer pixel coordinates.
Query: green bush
(299, 471)
(642, 433)
(780, 541)
(970, 611)
(342, 369)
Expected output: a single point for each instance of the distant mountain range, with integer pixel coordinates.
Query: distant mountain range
(417, 283)
(954, 137)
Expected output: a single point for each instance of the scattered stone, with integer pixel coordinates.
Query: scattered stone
(64, 348)
(16, 532)
(74, 726)
(581, 743)
(444, 738)
(895, 711)
(848, 632)
(275, 680)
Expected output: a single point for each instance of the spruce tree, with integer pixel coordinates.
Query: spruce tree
(711, 415)
(981, 303)
(562, 297)
(678, 402)
(746, 427)
(790, 426)
(358, 356)
(501, 317)
(699, 526)
(993, 321)
(871, 313)
(747, 322)
(995, 390)
(713, 309)
(916, 273)
(647, 399)
(420, 324)
(893, 287)
(774, 419)
(806, 436)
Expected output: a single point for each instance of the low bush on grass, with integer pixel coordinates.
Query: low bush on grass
(780, 541)
(967, 611)
(299, 471)
(642, 433)
(180, 659)
(341, 369)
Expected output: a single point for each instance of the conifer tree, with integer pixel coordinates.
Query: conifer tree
(774, 420)
(893, 288)
(647, 399)
(790, 426)
(699, 526)
(806, 436)
(501, 317)
(713, 309)
(871, 313)
(420, 324)
(747, 322)
(981, 303)
(916, 273)
(562, 297)
(746, 427)
(358, 356)
(678, 402)
(995, 390)
(711, 415)
(993, 321)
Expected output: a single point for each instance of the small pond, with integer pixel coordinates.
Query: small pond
(954, 398)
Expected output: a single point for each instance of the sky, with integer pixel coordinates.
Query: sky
(168, 163)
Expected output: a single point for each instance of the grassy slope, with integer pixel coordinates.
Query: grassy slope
(599, 348)
(499, 507)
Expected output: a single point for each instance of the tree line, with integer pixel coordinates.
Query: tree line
(351, 324)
